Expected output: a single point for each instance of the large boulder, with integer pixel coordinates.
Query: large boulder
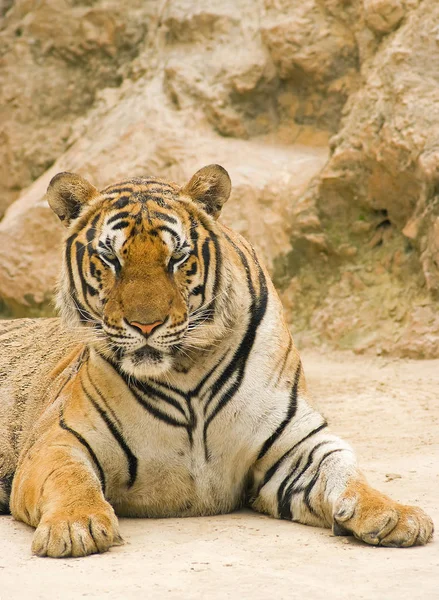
(376, 202)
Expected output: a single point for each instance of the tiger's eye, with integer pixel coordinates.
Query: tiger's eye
(110, 259)
(177, 259)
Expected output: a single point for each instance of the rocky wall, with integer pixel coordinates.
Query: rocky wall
(325, 113)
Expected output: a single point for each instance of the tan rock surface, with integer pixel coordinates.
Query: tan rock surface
(259, 87)
(394, 429)
(378, 197)
(55, 56)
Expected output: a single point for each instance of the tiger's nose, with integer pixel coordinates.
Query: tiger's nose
(145, 328)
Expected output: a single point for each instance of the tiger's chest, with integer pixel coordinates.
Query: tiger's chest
(178, 461)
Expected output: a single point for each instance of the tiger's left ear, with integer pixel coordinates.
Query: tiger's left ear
(210, 187)
(67, 195)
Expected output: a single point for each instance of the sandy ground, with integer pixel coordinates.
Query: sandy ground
(387, 409)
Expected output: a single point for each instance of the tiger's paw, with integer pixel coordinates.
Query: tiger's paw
(376, 519)
(76, 533)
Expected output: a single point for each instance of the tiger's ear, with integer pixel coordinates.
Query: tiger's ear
(67, 194)
(210, 187)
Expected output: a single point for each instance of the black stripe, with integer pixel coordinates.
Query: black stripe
(117, 216)
(114, 262)
(313, 481)
(155, 412)
(120, 337)
(209, 310)
(91, 291)
(120, 225)
(135, 386)
(156, 394)
(257, 312)
(245, 264)
(269, 474)
(192, 421)
(131, 458)
(135, 181)
(292, 407)
(129, 184)
(198, 289)
(145, 196)
(175, 333)
(200, 385)
(86, 445)
(218, 267)
(284, 493)
(121, 202)
(186, 396)
(195, 391)
(91, 231)
(80, 253)
(205, 253)
(83, 313)
(105, 245)
(159, 201)
(165, 217)
(194, 235)
(192, 270)
(171, 231)
(238, 363)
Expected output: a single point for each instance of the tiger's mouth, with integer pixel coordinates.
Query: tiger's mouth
(146, 354)
(145, 362)
(153, 357)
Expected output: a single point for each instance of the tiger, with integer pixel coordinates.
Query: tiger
(170, 385)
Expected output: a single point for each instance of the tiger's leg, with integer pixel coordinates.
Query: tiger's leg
(307, 474)
(58, 489)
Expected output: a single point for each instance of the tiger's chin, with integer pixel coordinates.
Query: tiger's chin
(146, 362)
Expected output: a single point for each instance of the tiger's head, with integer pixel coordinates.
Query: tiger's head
(143, 266)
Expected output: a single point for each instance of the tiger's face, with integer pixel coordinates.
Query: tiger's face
(142, 265)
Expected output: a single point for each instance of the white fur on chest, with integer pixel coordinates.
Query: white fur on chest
(180, 472)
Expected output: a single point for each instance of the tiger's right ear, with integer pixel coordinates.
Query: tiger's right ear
(67, 194)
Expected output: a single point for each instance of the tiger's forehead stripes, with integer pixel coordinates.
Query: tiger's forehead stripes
(182, 225)
(143, 185)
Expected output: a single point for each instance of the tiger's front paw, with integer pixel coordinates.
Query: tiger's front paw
(376, 519)
(78, 532)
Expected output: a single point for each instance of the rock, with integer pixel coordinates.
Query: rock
(392, 476)
(56, 55)
(381, 186)
(315, 54)
(305, 43)
(30, 261)
(383, 16)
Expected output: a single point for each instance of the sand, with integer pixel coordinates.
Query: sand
(388, 409)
